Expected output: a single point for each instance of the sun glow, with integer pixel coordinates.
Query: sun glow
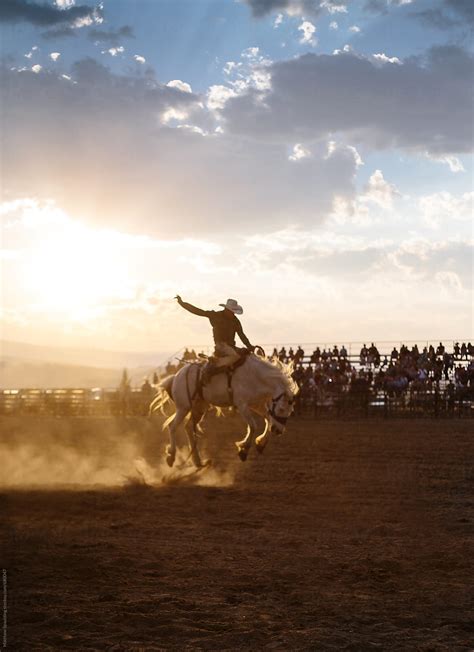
(74, 268)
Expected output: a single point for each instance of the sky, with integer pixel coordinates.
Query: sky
(310, 158)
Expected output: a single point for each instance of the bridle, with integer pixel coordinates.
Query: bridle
(281, 420)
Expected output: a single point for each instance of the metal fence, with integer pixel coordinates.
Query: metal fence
(74, 402)
(434, 403)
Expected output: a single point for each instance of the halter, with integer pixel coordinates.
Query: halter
(271, 411)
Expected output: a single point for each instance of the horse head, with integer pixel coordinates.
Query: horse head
(281, 407)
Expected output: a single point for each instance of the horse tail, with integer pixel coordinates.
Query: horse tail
(163, 397)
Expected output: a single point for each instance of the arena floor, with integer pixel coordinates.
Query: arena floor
(342, 536)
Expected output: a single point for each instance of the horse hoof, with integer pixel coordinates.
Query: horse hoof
(260, 449)
(243, 455)
(169, 460)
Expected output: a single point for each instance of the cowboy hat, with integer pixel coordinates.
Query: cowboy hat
(233, 306)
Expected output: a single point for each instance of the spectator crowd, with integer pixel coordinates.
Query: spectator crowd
(333, 371)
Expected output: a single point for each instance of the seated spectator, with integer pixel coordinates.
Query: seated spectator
(440, 350)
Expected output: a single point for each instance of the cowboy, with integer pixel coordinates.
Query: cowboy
(225, 326)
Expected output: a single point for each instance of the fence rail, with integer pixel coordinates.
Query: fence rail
(345, 403)
(74, 402)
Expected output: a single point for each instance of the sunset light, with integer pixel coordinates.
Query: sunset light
(236, 324)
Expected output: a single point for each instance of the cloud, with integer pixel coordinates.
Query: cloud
(308, 30)
(379, 191)
(448, 14)
(454, 164)
(383, 58)
(292, 7)
(371, 102)
(54, 55)
(111, 37)
(44, 15)
(139, 59)
(261, 8)
(114, 51)
(352, 259)
(444, 207)
(114, 158)
(383, 6)
(58, 32)
(299, 152)
(278, 21)
(334, 6)
(438, 261)
(180, 85)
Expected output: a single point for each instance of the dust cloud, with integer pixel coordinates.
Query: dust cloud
(79, 453)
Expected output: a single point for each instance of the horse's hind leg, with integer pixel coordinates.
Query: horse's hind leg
(191, 427)
(171, 448)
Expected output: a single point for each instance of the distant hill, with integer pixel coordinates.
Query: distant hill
(81, 356)
(20, 374)
(28, 365)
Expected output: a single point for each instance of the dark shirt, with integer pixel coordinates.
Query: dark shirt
(225, 324)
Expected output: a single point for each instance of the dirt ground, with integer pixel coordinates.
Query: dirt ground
(341, 536)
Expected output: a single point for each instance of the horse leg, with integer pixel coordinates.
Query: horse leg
(244, 445)
(171, 448)
(191, 427)
(262, 440)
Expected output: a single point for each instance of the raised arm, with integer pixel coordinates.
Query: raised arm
(190, 308)
(243, 337)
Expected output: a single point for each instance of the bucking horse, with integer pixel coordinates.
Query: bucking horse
(254, 386)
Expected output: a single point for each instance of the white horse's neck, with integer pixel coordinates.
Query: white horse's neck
(268, 375)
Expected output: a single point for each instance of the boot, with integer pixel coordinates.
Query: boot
(208, 371)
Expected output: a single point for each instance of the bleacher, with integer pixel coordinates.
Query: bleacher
(368, 402)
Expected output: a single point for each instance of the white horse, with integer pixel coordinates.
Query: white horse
(258, 386)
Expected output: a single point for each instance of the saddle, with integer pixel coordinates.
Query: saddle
(214, 365)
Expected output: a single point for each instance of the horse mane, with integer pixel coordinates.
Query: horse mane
(282, 371)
